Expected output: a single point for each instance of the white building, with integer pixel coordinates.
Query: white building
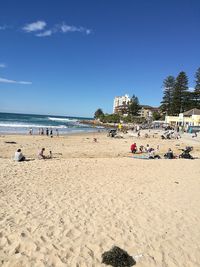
(120, 102)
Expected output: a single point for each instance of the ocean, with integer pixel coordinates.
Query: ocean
(11, 123)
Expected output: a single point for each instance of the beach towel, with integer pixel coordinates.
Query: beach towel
(141, 157)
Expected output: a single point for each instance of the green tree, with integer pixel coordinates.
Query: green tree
(189, 101)
(134, 106)
(98, 113)
(156, 116)
(168, 89)
(110, 118)
(197, 89)
(180, 94)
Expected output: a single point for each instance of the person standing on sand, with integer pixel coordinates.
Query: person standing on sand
(51, 133)
(120, 127)
(42, 131)
(47, 132)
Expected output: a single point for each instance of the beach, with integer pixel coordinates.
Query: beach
(91, 196)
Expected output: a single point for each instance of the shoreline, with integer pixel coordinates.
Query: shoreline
(55, 136)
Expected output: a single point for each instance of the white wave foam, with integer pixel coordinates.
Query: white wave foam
(62, 119)
(18, 125)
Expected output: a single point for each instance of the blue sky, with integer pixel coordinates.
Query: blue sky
(71, 57)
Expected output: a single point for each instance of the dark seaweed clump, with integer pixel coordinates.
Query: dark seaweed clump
(117, 257)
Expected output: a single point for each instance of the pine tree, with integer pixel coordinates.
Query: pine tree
(180, 94)
(197, 89)
(168, 86)
(189, 101)
(134, 106)
(98, 113)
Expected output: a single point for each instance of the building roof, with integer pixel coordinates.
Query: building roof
(194, 111)
(148, 107)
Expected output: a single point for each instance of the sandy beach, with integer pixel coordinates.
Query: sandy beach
(68, 210)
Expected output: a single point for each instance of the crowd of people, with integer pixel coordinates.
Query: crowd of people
(42, 131)
(152, 153)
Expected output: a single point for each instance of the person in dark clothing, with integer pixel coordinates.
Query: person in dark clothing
(169, 154)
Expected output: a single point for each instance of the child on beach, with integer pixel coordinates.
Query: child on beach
(41, 154)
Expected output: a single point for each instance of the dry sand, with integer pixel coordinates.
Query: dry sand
(68, 210)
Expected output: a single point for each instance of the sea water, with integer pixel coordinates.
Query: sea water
(21, 124)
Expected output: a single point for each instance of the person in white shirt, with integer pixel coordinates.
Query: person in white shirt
(19, 156)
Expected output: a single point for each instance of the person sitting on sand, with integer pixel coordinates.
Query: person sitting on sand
(50, 155)
(169, 154)
(19, 156)
(142, 149)
(153, 155)
(147, 148)
(41, 154)
(133, 148)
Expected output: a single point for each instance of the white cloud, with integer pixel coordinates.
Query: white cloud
(67, 28)
(39, 28)
(64, 28)
(3, 27)
(3, 80)
(88, 31)
(44, 34)
(35, 26)
(2, 65)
